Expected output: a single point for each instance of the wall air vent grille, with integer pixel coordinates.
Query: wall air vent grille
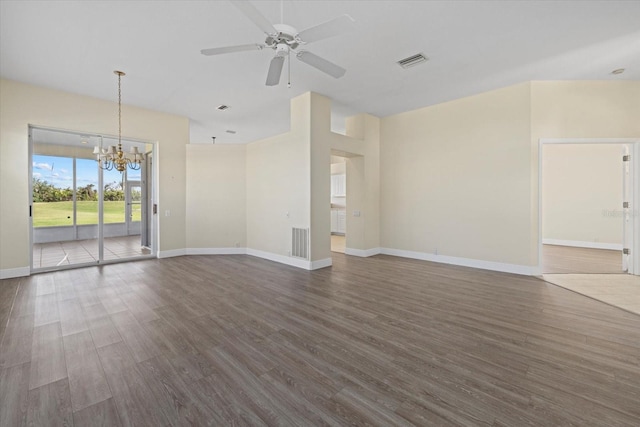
(412, 60)
(300, 242)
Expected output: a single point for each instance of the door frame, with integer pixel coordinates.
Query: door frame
(153, 196)
(634, 143)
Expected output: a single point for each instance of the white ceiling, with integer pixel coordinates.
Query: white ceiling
(473, 46)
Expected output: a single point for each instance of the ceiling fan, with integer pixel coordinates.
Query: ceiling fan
(284, 39)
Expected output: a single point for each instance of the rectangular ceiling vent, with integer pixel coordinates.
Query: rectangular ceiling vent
(222, 107)
(412, 60)
(232, 132)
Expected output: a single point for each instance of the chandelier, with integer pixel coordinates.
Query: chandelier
(113, 157)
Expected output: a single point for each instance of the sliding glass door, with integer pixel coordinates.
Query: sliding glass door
(80, 213)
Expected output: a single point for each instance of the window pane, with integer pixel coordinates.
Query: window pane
(86, 192)
(52, 191)
(113, 197)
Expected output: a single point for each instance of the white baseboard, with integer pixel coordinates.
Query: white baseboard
(10, 273)
(216, 251)
(321, 263)
(580, 244)
(171, 253)
(465, 262)
(294, 262)
(364, 253)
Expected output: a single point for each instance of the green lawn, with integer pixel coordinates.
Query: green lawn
(50, 214)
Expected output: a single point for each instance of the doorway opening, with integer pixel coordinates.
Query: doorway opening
(338, 203)
(81, 214)
(588, 222)
(582, 197)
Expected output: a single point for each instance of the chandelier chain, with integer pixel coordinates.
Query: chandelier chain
(114, 157)
(119, 110)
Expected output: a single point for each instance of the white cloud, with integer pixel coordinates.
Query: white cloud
(42, 166)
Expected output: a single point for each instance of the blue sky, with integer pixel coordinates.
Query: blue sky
(59, 172)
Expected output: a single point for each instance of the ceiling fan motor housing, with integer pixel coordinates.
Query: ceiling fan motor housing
(282, 49)
(286, 36)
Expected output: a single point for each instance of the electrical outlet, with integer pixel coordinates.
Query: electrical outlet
(167, 213)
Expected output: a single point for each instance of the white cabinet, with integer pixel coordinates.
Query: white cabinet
(338, 221)
(334, 220)
(342, 221)
(338, 185)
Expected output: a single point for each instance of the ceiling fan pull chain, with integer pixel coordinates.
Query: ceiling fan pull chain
(289, 67)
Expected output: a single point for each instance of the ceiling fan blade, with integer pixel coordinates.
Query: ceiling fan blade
(321, 64)
(231, 49)
(275, 70)
(254, 15)
(337, 26)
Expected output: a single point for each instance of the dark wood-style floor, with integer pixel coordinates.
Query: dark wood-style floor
(567, 259)
(236, 340)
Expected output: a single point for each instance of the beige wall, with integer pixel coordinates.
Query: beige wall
(584, 109)
(581, 184)
(456, 178)
(462, 177)
(21, 105)
(216, 196)
(278, 184)
(288, 182)
(361, 145)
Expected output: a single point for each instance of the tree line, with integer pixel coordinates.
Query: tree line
(44, 191)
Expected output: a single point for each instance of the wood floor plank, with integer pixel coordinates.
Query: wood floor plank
(50, 405)
(86, 378)
(135, 336)
(103, 331)
(16, 344)
(14, 391)
(46, 309)
(238, 340)
(47, 356)
(8, 291)
(71, 317)
(102, 414)
(134, 400)
(174, 396)
(179, 348)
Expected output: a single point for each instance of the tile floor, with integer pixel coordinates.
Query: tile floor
(54, 254)
(338, 243)
(620, 290)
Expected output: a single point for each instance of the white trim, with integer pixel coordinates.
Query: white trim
(216, 251)
(465, 262)
(588, 140)
(364, 253)
(171, 253)
(10, 273)
(579, 244)
(294, 262)
(321, 263)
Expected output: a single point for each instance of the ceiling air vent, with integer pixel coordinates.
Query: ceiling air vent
(222, 107)
(412, 60)
(232, 132)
